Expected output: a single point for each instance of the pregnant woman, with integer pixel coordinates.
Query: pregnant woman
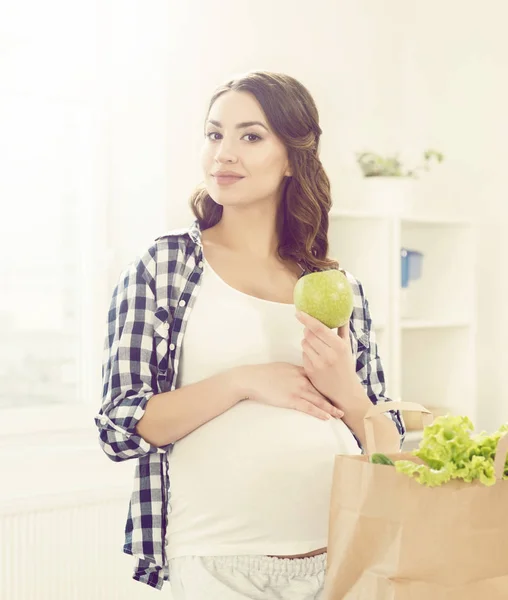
(234, 405)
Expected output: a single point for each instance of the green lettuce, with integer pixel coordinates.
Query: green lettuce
(449, 451)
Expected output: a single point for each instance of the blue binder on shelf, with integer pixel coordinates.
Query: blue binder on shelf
(410, 266)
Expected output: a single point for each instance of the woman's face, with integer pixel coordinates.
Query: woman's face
(239, 140)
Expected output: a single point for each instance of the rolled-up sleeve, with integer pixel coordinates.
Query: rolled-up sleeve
(129, 369)
(370, 370)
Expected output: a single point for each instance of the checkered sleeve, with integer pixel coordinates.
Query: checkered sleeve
(129, 370)
(370, 369)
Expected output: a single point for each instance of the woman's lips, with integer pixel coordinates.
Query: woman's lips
(226, 179)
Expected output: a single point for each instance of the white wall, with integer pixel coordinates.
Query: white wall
(457, 85)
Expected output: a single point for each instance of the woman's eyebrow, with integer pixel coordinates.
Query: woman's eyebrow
(240, 125)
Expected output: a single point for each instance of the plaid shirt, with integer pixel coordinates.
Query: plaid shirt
(150, 307)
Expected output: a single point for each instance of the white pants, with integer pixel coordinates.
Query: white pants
(247, 577)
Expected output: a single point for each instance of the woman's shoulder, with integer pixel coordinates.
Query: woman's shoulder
(360, 317)
(173, 245)
(356, 286)
(166, 255)
(178, 235)
(355, 283)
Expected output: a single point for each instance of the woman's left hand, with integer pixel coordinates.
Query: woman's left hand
(329, 364)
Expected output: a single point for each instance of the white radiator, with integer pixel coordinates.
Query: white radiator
(63, 507)
(68, 547)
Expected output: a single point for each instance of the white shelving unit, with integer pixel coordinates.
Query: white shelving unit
(427, 343)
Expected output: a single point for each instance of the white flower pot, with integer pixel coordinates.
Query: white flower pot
(388, 195)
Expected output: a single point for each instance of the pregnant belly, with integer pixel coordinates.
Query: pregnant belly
(258, 476)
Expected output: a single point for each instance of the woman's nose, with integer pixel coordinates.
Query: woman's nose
(225, 152)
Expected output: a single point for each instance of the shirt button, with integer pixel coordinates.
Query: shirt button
(166, 325)
(200, 264)
(181, 303)
(171, 346)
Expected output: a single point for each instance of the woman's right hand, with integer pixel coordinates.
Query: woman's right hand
(284, 385)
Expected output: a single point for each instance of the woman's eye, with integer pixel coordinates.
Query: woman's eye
(252, 135)
(211, 134)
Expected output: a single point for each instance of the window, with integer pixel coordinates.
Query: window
(39, 304)
(53, 191)
(84, 104)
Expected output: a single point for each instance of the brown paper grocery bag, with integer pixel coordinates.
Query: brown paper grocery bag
(392, 538)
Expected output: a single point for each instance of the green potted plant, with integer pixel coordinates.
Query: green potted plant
(388, 182)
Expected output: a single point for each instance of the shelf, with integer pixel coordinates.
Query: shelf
(404, 219)
(444, 221)
(356, 214)
(426, 334)
(434, 323)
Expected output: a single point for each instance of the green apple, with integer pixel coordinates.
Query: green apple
(326, 295)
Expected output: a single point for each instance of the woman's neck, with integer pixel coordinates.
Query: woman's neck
(251, 235)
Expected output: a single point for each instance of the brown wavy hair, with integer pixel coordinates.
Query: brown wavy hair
(302, 215)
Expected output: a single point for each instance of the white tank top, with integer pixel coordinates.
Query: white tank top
(256, 479)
